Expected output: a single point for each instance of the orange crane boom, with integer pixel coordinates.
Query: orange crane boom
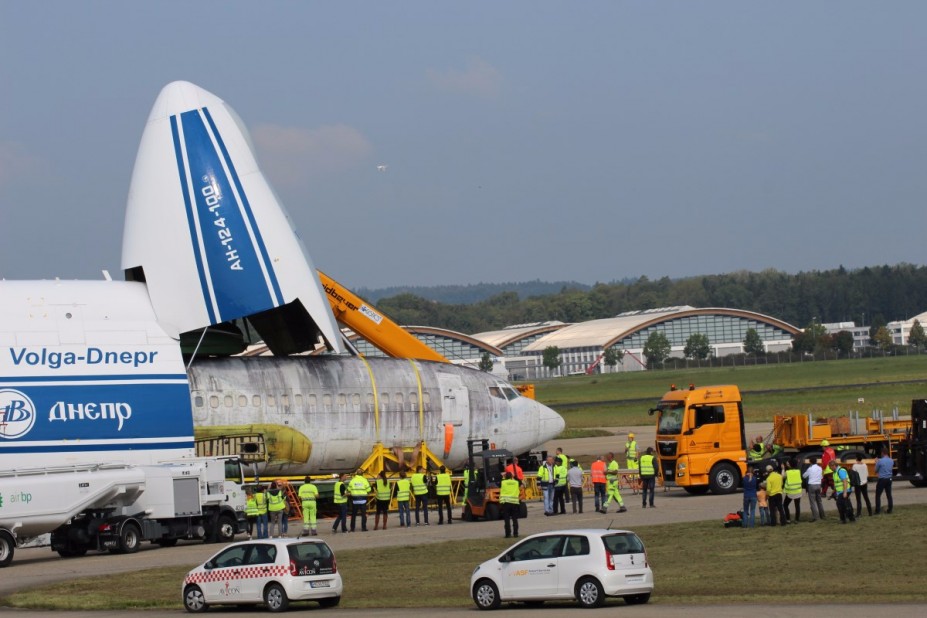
(351, 310)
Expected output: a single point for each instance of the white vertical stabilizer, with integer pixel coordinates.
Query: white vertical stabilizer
(206, 229)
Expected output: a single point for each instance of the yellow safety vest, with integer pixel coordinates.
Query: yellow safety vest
(402, 490)
(419, 486)
(560, 475)
(647, 465)
(276, 502)
(340, 498)
(792, 481)
(383, 489)
(839, 483)
(308, 492)
(443, 487)
(508, 492)
(631, 448)
(251, 507)
(543, 475)
(260, 499)
(359, 488)
(611, 473)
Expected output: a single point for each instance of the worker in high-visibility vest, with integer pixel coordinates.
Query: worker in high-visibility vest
(276, 508)
(384, 493)
(547, 481)
(251, 510)
(561, 459)
(597, 476)
(308, 497)
(420, 491)
(560, 488)
(611, 475)
(260, 499)
(402, 491)
(443, 491)
(509, 506)
(340, 499)
(359, 488)
(842, 487)
(648, 469)
(630, 452)
(792, 489)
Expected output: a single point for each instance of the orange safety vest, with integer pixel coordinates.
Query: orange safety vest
(598, 472)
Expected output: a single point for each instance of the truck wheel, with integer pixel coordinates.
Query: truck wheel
(723, 479)
(7, 547)
(130, 537)
(275, 598)
(492, 511)
(467, 513)
(226, 528)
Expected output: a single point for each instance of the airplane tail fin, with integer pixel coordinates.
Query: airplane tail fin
(208, 235)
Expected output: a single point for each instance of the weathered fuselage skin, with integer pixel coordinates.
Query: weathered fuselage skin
(344, 406)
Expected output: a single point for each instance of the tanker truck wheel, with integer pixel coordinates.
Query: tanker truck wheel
(7, 546)
(723, 479)
(130, 537)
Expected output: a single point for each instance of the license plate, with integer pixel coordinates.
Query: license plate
(634, 579)
(323, 584)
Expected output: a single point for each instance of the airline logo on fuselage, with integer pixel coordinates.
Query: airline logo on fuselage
(17, 414)
(43, 357)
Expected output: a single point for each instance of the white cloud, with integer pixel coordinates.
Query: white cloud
(479, 79)
(292, 156)
(15, 163)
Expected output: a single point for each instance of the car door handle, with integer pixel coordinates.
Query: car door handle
(551, 565)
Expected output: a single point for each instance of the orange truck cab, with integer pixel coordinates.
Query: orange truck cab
(700, 439)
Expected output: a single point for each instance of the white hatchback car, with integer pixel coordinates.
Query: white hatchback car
(586, 565)
(269, 571)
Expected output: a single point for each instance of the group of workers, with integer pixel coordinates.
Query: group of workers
(784, 482)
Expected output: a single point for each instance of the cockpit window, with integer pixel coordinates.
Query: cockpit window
(495, 391)
(510, 393)
(671, 414)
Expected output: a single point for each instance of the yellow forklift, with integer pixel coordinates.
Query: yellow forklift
(485, 470)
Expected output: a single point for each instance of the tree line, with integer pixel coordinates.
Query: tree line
(872, 296)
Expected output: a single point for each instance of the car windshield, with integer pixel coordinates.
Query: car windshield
(671, 414)
(625, 543)
(312, 558)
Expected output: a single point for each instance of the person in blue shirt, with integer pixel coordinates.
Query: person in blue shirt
(883, 469)
(750, 487)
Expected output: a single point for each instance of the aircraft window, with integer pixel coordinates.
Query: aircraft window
(228, 401)
(399, 401)
(313, 401)
(213, 401)
(299, 399)
(271, 401)
(326, 400)
(426, 397)
(285, 401)
(242, 401)
(342, 399)
(510, 393)
(384, 401)
(495, 391)
(355, 399)
(256, 401)
(198, 401)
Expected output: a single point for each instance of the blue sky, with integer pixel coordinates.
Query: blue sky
(586, 141)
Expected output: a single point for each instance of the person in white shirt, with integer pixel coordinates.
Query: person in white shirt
(814, 474)
(863, 489)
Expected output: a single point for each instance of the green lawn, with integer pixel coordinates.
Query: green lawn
(824, 388)
(700, 562)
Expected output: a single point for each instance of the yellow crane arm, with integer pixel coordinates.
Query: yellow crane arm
(366, 321)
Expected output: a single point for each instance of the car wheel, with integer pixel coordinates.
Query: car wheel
(637, 599)
(7, 547)
(723, 479)
(492, 511)
(329, 602)
(467, 514)
(130, 537)
(589, 592)
(193, 600)
(275, 598)
(226, 528)
(486, 595)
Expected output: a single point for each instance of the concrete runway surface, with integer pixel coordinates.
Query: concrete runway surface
(32, 567)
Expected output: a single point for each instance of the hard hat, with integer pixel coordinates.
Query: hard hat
(825, 443)
(630, 435)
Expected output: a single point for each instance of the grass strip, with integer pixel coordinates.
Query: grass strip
(693, 563)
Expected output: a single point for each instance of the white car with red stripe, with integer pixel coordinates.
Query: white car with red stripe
(585, 565)
(269, 571)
